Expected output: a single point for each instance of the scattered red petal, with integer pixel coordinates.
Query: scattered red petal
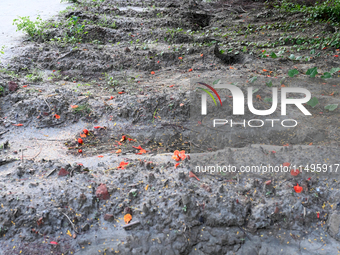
(121, 92)
(176, 165)
(152, 72)
(100, 156)
(171, 86)
(82, 135)
(190, 70)
(86, 132)
(57, 116)
(25, 86)
(80, 151)
(298, 189)
(191, 174)
(80, 141)
(122, 165)
(18, 125)
(294, 172)
(286, 164)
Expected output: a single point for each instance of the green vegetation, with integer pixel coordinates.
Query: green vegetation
(324, 10)
(32, 28)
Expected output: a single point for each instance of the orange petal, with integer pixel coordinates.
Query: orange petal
(127, 218)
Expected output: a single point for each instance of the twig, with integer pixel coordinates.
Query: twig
(70, 222)
(47, 104)
(4, 132)
(51, 172)
(37, 153)
(244, 232)
(131, 224)
(52, 125)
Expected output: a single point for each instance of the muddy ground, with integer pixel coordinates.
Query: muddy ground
(126, 77)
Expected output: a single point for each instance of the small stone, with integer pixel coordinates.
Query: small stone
(63, 172)
(145, 209)
(102, 192)
(108, 217)
(85, 227)
(127, 49)
(151, 177)
(12, 86)
(181, 175)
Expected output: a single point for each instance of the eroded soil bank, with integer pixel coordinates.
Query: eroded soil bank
(118, 76)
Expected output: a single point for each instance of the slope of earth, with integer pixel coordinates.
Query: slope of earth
(94, 106)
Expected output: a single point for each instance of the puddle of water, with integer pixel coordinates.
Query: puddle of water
(11, 9)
